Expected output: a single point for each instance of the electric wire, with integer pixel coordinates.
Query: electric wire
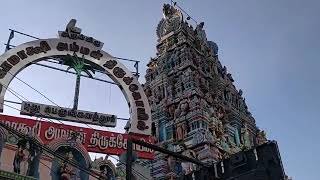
(43, 96)
(62, 70)
(53, 122)
(132, 168)
(42, 93)
(70, 72)
(12, 102)
(135, 171)
(19, 103)
(15, 94)
(27, 100)
(47, 149)
(136, 62)
(10, 90)
(11, 107)
(120, 58)
(133, 174)
(176, 4)
(51, 170)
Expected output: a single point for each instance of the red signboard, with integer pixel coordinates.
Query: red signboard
(93, 140)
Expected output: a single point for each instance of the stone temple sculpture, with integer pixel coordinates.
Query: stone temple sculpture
(71, 27)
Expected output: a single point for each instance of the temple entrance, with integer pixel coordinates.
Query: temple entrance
(66, 147)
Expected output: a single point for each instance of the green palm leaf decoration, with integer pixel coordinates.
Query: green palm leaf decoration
(79, 66)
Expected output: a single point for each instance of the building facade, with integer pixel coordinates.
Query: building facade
(196, 109)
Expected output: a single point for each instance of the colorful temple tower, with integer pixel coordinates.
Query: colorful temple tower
(196, 109)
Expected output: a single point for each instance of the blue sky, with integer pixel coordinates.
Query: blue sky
(270, 47)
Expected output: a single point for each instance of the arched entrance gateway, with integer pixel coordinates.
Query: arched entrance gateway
(69, 45)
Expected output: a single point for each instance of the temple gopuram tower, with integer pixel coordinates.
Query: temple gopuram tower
(196, 109)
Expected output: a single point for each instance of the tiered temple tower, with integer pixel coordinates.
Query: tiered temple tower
(196, 109)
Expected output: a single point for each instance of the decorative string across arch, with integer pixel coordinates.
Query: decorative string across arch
(18, 58)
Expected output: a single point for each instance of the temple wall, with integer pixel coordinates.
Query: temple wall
(7, 158)
(45, 172)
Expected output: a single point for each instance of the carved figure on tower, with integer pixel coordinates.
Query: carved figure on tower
(34, 153)
(188, 167)
(19, 161)
(225, 145)
(261, 137)
(245, 136)
(221, 113)
(202, 38)
(219, 131)
(201, 34)
(171, 21)
(224, 72)
(230, 77)
(171, 111)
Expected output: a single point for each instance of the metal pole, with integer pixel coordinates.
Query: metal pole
(129, 160)
(11, 36)
(137, 68)
(24, 34)
(70, 72)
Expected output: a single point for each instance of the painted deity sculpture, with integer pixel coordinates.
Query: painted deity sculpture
(188, 167)
(171, 110)
(177, 112)
(216, 154)
(201, 34)
(245, 137)
(219, 131)
(221, 113)
(33, 159)
(179, 133)
(182, 109)
(67, 171)
(106, 173)
(174, 167)
(17, 160)
(261, 137)
(224, 143)
(194, 102)
(20, 163)
(171, 163)
(172, 20)
(105, 168)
